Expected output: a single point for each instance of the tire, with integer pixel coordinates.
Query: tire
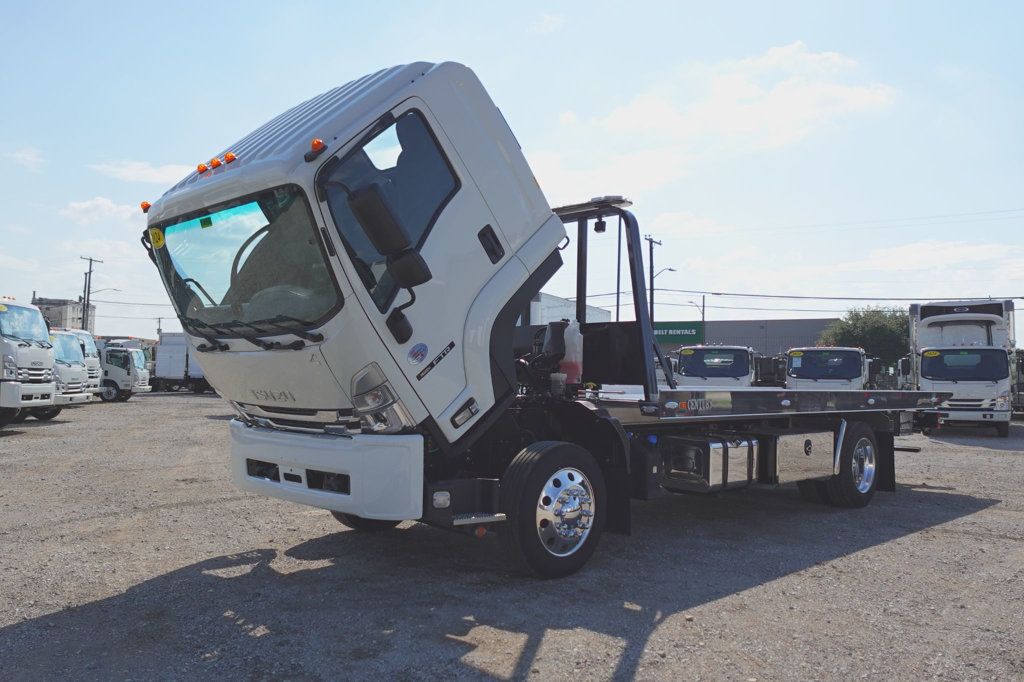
(45, 414)
(20, 416)
(847, 489)
(109, 392)
(364, 525)
(532, 532)
(1003, 430)
(124, 397)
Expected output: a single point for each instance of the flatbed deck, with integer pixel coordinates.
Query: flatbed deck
(718, 404)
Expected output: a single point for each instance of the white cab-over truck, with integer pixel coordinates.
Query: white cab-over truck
(124, 370)
(91, 353)
(709, 365)
(968, 349)
(70, 378)
(829, 368)
(355, 273)
(27, 360)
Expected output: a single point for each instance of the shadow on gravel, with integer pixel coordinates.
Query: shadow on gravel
(406, 603)
(220, 417)
(979, 437)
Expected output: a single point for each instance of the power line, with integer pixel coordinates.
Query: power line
(821, 298)
(165, 305)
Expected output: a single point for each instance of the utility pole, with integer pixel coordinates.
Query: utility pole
(651, 242)
(88, 291)
(703, 322)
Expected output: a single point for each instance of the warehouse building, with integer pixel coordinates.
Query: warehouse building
(64, 312)
(768, 337)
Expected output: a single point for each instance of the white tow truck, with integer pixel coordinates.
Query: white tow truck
(967, 348)
(355, 274)
(711, 365)
(125, 371)
(27, 360)
(829, 368)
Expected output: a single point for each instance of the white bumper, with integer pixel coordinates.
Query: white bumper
(984, 416)
(17, 394)
(65, 399)
(141, 388)
(385, 473)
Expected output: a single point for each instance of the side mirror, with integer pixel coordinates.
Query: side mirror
(904, 366)
(408, 269)
(370, 207)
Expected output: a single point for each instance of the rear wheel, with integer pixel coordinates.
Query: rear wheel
(855, 484)
(1003, 429)
(45, 414)
(553, 496)
(110, 392)
(359, 523)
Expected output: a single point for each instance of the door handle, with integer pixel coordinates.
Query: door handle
(492, 245)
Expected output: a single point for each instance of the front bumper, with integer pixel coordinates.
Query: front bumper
(19, 395)
(66, 399)
(93, 386)
(141, 388)
(384, 473)
(983, 416)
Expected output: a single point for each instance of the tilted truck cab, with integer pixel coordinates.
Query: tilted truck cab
(357, 274)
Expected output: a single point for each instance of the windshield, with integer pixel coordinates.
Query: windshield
(714, 362)
(965, 364)
(24, 323)
(138, 359)
(245, 262)
(66, 348)
(85, 338)
(824, 364)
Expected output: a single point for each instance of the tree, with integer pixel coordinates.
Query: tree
(882, 332)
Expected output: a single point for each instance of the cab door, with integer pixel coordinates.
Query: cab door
(117, 367)
(432, 194)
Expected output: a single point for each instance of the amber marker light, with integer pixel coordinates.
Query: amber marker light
(229, 157)
(145, 206)
(316, 148)
(215, 162)
(202, 168)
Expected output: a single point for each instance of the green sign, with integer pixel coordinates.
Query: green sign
(678, 333)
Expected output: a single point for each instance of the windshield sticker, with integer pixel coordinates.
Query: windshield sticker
(931, 353)
(688, 351)
(797, 361)
(3, 308)
(156, 238)
(417, 354)
(206, 222)
(796, 353)
(433, 363)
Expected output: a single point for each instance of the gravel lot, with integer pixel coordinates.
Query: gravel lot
(126, 553)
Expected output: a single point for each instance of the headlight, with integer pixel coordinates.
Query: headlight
(375, 404)
(10, 367)
(1003, 401)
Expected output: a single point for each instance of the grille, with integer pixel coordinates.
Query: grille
(73, 387)
(35, 376)
(302, 420)
(94, 372)
(968, 404)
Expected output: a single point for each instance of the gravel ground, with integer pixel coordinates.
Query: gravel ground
(126, 553)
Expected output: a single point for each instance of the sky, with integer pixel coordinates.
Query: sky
(859, 149)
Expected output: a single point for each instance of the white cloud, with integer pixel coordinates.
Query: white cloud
(101, 210)
(685, 224)
(27, 157)
(143, 171)
(19, 264)
(548, 23)
(699, 112)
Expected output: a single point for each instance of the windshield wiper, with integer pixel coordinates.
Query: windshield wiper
(214, 344)
(315, 337)
(265, 345)
(23, 342)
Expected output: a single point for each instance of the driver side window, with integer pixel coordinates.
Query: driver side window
(407, 164)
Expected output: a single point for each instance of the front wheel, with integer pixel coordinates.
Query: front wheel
(45, 414)
(8, 415)
(855, 484)
(359, 523)
(124, 397)
(1003, 429)
(110, 392)
(20, 416)
(553, 496)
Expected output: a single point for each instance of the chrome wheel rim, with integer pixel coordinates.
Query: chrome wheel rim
(109, 392)
(863, 463)
(565, 512)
